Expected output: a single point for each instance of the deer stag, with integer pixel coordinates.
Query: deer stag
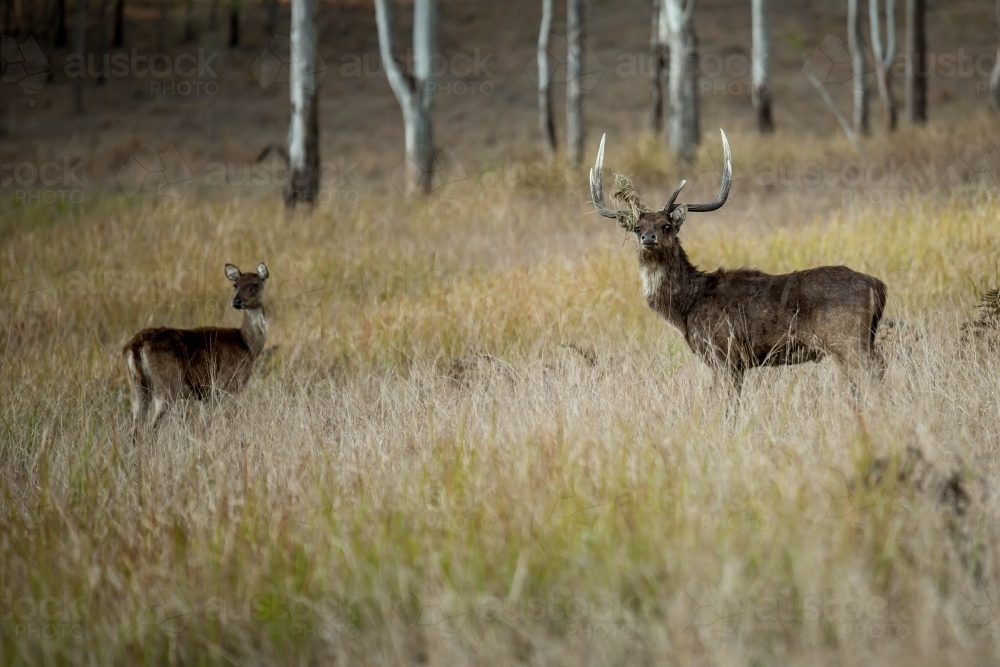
(168, 364)
(736, 320)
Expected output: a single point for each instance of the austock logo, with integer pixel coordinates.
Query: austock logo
(148, 170)
(446, 172)
(557, 57)
(975, 170)
(831, 63)
(277, 62)
(24, 65)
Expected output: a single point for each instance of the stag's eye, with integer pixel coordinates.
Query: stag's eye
(666, 228)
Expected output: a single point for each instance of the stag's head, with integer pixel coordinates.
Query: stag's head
(655, 230)
(249, 287)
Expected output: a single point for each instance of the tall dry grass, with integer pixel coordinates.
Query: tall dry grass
(470, 442)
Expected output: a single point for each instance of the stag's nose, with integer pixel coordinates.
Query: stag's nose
(237, 303)
(649, 238)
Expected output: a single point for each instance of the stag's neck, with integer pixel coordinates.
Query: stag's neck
(671, 284)
(254, 330)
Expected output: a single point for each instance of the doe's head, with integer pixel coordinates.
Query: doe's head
(249, 286)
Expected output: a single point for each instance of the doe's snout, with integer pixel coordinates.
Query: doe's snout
(237, 303)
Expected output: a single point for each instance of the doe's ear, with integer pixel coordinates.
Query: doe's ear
(232, 273)
(679, 215)
(262, 271)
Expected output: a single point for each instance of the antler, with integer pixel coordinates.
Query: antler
(596, 187)
(727, 181)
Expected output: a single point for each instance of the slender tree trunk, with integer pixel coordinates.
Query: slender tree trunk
(102, 38)
(658, 50)
(424, 49)
(80, 48)
(858, 83)
(12, 18)
(303, 128)
(161, 28)
(545, 121)
(234, 24)
(59, 38)
(760, 91)
(272, 18)
(684, 133)
(414, 93)
(189, 35)
(995, 74)
(574, 80)
(884, 57)
(118, 34)
(915, 92)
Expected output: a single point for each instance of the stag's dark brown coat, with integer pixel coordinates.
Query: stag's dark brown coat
(741, 319)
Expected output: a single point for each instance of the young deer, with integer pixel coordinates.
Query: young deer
(168, 364)
(742, 319)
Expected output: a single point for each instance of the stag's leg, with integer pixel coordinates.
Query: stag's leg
(859, 368)
(735, 391)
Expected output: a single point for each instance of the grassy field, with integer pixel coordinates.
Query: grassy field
(470, 442)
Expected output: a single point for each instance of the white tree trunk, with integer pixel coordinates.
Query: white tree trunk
(760, 91)
(658, 50)
(915, 92)
(545, 122)
(303, 128)
(684, 133)
(858, 83)
(414, 93)
(884, 57)
(574, 74)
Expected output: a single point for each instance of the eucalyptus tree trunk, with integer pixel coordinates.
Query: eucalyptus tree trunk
(995, 74)
(683, 129)
(884, 57)
(271, 27)
(59, 37)
(80, 48)
(303, 128)
(658, 50)
(118, 34)
(189, 35)
(161, 29)
(857, 51)
(760, 90)
(414, 92)
(545, 122)
(574, 80)
(102, 38)
(234, 24)
(915, 91)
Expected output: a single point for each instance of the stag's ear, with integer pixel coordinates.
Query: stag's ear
(679, 215)
(232, 273)
(262, 271)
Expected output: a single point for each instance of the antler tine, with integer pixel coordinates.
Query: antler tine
(668, 207)
(727, 180)
(597, 187)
